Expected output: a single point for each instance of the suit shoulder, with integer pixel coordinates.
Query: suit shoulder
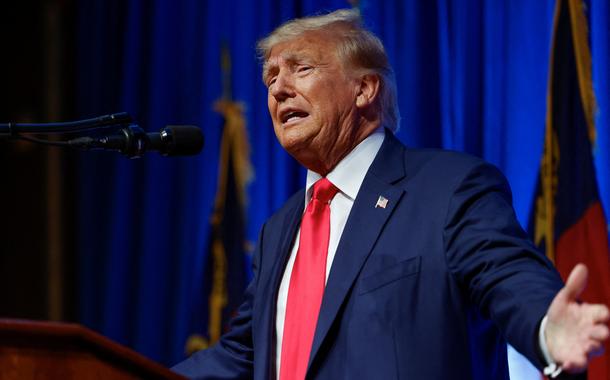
(447, 163)
(447, 171)
(441, 157)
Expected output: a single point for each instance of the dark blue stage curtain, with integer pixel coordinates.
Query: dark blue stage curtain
(471, 74)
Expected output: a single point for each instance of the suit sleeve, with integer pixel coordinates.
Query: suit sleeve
(232, 356)
(494, 261)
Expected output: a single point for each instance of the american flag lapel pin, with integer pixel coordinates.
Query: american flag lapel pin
(381, 202)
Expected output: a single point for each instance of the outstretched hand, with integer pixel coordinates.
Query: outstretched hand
(575, 331)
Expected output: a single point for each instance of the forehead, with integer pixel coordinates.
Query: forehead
(314, 46)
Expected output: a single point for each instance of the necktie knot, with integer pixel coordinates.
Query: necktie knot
(324, 190)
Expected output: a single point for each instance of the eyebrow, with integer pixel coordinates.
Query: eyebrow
(266, 70)
(291, 57)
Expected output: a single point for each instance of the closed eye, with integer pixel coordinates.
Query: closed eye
(304, 68)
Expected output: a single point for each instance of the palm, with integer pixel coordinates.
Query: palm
(575, 331)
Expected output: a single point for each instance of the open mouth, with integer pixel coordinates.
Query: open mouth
(293, 116)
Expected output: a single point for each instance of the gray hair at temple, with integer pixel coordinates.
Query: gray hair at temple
(356, 45)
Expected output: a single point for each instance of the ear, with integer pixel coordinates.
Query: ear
(368, 91)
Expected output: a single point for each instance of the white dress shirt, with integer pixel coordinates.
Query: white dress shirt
(347, 176)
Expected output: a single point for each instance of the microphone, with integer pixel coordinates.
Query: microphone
(132, 141)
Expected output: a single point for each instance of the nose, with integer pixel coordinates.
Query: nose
(283, 87)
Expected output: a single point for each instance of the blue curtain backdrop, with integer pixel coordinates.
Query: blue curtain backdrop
(471, 75)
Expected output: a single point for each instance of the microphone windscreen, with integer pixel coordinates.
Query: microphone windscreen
(184, 140)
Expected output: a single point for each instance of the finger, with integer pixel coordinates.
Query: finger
(600, 313)
(577, 280)
(592, 346)
(596, 313)
(599, 333)
(575, 365)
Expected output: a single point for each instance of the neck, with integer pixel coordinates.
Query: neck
(324, 165)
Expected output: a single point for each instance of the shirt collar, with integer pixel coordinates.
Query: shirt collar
(349, 173)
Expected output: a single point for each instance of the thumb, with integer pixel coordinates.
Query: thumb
(577, 280)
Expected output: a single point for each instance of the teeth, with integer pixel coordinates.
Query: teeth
(293, 116)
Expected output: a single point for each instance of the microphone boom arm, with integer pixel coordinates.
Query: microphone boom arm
(13, 129)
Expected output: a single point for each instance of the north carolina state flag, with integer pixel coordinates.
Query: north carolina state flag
(567, 219)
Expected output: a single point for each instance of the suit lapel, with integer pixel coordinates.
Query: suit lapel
(289, 230)
(365, 223)
(290, 224)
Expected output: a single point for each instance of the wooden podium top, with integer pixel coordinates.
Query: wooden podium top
(50, 350)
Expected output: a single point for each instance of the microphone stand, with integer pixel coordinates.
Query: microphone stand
(130, 140)
(12, 130)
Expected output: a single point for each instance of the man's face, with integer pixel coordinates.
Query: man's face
(312, 100)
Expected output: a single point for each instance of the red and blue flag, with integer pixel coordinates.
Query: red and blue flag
(567, 220)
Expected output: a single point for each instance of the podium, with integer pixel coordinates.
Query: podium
(49, 350)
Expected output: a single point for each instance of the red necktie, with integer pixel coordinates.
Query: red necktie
(307, 283)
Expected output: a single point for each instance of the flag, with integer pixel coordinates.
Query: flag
(226, 272)
(567, 220)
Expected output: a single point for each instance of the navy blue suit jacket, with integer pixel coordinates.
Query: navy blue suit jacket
(429, 287)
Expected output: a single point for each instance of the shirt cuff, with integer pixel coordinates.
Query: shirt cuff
(551, 370)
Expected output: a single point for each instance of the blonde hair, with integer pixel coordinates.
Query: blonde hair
(356, 45)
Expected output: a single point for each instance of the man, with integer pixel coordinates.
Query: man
(406, 263)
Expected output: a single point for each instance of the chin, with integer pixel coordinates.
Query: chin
(292, 147)
(293, 141)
